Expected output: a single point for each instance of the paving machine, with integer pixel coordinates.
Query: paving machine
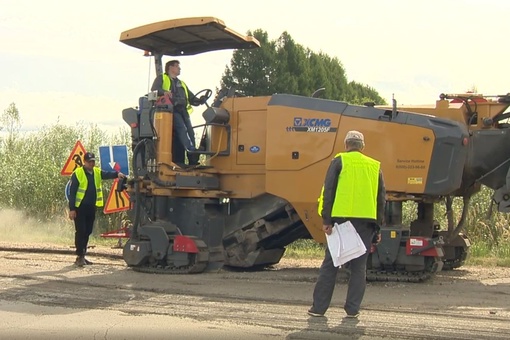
(488, 163)
(263, 162)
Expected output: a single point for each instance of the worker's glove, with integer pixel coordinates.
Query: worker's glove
(122, 185)
(202, 100)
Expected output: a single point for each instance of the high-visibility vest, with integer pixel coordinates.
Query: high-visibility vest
(83, 184)
(167, 84)
(356, 191)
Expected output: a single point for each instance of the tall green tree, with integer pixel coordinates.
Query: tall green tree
(293, 70)
(251, 71)
(362, 94)
(284, 66)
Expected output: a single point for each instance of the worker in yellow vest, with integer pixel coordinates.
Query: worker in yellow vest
(353, 191)
(85, 196)
(182, 98)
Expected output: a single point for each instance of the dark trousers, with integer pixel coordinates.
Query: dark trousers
(183, 129)
(83, 224)
(323, 291)
(178, 154)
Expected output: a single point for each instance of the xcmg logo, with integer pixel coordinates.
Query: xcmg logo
(311, 125)
(312, 122)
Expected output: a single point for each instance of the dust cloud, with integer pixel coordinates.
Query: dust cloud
(17, 228)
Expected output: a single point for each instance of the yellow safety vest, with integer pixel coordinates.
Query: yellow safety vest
(167, 83)
(356, 191)
(83, 184)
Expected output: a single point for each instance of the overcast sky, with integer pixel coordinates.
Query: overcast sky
(61, 61)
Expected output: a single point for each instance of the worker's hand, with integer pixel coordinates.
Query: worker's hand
(121, 175)
(327, 228)
(169, 94)
(72, 214)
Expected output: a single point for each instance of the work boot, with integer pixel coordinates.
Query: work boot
(193, 159)
(80, 261)
(87, 262)
(315, 314)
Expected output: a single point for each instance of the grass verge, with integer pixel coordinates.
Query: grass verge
(480, 254)
(304, 249)
(484, 254)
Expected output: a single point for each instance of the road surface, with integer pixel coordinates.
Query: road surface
(44, 296)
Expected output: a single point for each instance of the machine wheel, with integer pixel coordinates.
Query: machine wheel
(458, 261)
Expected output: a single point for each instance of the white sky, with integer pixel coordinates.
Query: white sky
(62, 60)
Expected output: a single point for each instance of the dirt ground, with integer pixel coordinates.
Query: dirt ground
(468, 303)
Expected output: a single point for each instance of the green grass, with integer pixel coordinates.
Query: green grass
(484, 254)
(488, 262)
(304, 249)
(480, 254)
(504, 262)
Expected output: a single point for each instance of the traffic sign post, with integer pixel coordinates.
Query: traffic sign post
(117, 200)
(68, 190)
(75, 160)
(114, 158)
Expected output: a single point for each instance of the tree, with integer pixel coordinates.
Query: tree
(11, 122)
(292, 67)
(362, 94)
(251, 71)
(284, 66)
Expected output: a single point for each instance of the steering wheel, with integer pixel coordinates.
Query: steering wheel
(207, 94)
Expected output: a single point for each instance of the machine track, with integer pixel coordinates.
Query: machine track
(458, 261)
(432, 266)
(196, 267)
(420, 276)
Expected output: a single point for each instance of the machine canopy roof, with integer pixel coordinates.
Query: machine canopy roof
(186, 36)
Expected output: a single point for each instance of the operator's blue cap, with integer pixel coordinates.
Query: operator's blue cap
(89, 156)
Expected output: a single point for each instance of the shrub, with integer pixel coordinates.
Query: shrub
(30, 168)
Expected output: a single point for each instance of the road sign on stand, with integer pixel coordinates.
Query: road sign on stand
(114, 158)
(67, 190)
(75, 160)
(117, 201)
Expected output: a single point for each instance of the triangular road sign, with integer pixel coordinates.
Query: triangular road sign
(75, 160)
(117, 201)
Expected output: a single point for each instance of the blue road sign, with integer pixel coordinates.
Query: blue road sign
(114, 158)
(68, 190)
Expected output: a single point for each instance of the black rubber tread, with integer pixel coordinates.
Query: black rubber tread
(457, 262)
(431, 267)
(385, 276)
